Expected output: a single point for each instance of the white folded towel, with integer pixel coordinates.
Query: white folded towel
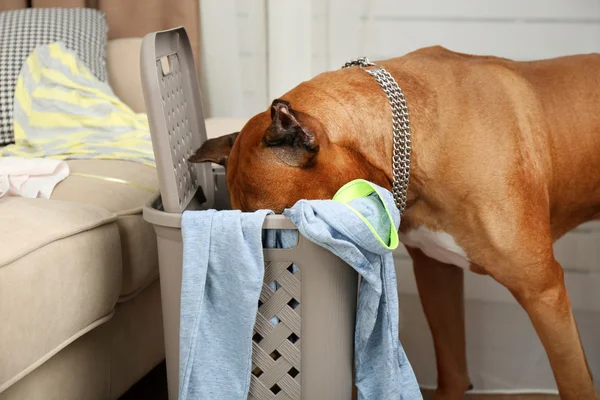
(30, 177)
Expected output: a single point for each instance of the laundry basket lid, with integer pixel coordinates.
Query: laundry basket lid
(176, 119)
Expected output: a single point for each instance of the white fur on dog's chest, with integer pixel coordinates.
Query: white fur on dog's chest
(440, 246)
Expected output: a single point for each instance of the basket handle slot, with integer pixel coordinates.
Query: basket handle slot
(165, 65)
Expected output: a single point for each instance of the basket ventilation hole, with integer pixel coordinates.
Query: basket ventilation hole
(257, 337)
(275, 389)
(257, 372)
(293, 303)
(293, 338)
(275, 355)
(292, 372)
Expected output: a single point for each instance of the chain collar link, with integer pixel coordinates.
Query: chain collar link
(401, 128)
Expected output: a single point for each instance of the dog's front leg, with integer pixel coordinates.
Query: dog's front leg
(541, 290)
(441, 290)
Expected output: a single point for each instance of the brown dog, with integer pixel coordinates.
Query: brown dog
(505, 160)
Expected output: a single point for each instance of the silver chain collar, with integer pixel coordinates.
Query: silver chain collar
(401, 128)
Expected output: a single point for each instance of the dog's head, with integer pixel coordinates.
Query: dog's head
(279, 157)
(303, 147)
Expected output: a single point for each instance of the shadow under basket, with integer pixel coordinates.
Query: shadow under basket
(309, 353)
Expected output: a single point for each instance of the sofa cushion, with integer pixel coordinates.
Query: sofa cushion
(125, 197)
(60, 276)
(105, 362)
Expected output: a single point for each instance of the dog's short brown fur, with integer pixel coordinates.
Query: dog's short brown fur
(505, 158)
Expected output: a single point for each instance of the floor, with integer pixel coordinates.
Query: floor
(154, 387)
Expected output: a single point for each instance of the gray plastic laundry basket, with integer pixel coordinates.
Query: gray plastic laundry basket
(309, 353)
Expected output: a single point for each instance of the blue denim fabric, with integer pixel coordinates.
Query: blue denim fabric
(223, 269)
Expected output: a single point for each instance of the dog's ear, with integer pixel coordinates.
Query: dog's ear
(215, 150)
(288, 133)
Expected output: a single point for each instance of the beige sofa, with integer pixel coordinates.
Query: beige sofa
(80, 314)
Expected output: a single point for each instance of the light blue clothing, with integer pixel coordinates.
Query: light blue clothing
(221, 287)
(223, 269)
(382, 370)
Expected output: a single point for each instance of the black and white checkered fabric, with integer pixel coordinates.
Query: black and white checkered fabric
(82, 30)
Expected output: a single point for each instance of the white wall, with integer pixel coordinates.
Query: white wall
(251, 20)
(289, 31)
(510, 28)
(279, 43)
(233, 57)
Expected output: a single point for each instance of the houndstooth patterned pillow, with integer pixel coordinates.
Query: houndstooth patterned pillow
(82, 30)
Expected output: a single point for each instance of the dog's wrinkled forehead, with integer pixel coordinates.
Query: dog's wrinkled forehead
(269, 158)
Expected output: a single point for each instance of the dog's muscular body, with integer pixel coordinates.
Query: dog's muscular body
(505, 160)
